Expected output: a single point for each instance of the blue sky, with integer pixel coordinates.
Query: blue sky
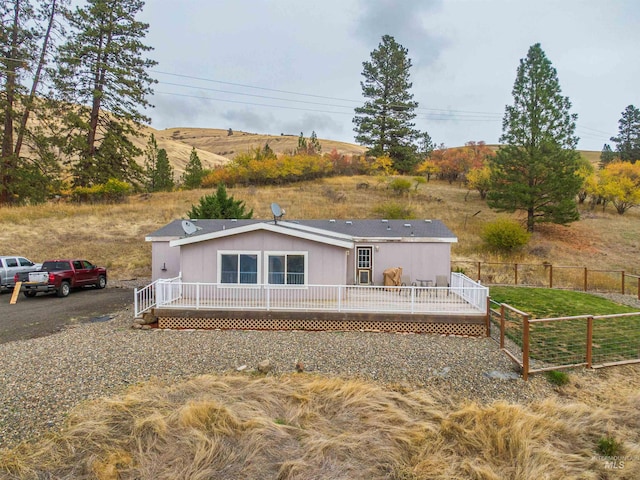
(285, 66)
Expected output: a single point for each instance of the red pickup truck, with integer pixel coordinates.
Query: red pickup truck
(61, 276)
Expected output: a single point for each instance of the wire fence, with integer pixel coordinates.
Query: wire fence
(552, 276)
(543, 344)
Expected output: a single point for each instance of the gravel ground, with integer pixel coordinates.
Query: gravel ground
(43, 379)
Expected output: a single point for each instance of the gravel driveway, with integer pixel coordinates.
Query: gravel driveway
(46, 314)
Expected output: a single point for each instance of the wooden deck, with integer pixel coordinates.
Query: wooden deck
(460, 309)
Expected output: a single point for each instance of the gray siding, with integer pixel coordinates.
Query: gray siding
(326, 263)
(164, 257)
(418, 260)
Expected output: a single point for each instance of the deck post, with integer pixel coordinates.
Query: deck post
(488, 320)
(268, 297)
(339, 298)
(413, 300)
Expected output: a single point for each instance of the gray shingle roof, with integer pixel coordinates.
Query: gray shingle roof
(356, 229)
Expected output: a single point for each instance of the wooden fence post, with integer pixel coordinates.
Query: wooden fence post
(585, 278)
(589, 341)
(515, 267)
(623, 282)
(479, 277)
(550, 276)
(502, 325)
(525, 348)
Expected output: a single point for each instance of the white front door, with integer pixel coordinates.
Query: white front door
(364, 265)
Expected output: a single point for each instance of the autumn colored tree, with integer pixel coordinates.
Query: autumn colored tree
(620, 184)
(480, 179)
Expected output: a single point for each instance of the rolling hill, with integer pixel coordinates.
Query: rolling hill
(216, 147)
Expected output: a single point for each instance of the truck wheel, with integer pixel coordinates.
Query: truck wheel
(64, 289)
(102, 282)
(29, 294)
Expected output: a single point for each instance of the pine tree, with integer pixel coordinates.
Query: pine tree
(219, 206)
(102, 75)
(164, 173)
(25, 44)
(193, 172)
(535, 168)
(628, 139)
(607, 156)
(151, 163)
(384, 122)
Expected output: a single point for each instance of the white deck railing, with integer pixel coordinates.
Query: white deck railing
(463, 296)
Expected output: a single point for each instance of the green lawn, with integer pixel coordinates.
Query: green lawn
(564, 342)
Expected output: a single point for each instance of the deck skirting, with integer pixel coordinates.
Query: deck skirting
(467, 325)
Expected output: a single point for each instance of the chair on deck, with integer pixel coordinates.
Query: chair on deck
(442, 281)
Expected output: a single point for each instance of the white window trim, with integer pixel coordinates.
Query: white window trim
(238, 252)
(269, 253)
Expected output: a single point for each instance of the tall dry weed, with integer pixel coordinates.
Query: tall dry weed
(311, 427)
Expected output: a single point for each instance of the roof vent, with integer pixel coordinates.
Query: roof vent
(349, 222)
(384, 220)
(426, 220)
(332, 220)
(388, 227)
(234, 219)
(407, 225)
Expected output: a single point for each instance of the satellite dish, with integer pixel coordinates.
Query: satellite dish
(189, 228)
(277, 212)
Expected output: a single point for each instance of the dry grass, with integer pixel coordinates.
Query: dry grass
(113, 235)
(311, 427)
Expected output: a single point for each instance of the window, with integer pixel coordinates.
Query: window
(238, 268)
(286, 268)
(11, 262)
(24, 262)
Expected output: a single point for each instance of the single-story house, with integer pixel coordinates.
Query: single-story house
(319, 252)
(310, 275)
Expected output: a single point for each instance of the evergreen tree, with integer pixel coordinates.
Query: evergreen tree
(114, 158)
(607, 156)
(193, 172)
(535, 168)
(164, 173)
(26, 28)
(628, 139)
(384, 122)
(219, 206)
(425, 145)
(102, 75)
(151, 163)
(314, 147)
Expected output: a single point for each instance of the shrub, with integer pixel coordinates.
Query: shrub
(219, 205)
(557, 378)
(394, 211)
(608, 446)
(504, 235)
(113, 191)
(400, 185)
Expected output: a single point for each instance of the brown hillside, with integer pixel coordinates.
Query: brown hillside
(219, 142)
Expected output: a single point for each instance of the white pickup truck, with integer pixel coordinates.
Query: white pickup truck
(10, 265)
